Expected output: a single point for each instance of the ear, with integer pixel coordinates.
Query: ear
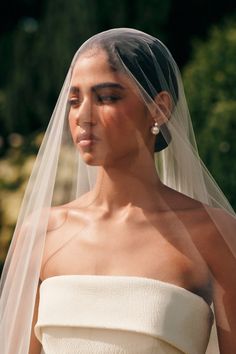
(163, 107)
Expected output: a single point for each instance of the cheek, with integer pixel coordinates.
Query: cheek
(111, 119)
(72, 126)
(118, 120)
(124, 127)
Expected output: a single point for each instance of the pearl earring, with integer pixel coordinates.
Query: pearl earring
(155, 130)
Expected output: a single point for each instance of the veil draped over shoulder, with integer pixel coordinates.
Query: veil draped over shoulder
(60, 175)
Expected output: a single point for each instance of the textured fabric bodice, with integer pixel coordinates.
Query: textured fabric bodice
(96, 314)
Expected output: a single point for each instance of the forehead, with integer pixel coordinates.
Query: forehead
(93, 67)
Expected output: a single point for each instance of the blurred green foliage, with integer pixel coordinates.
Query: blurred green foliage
(210, 82)
(16, 167)
(38, 54)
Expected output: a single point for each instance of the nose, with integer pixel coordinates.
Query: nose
(86, 113)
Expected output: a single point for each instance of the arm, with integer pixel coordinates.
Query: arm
(35, 345)
(221, 259)
(56, 218)
(225, 313)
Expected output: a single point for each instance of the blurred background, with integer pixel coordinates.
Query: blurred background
(37, 41)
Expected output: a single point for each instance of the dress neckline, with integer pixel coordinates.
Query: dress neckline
(138, 278)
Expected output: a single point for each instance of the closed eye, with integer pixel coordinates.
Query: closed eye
(108, 98)
(74, 102)
(101, 99)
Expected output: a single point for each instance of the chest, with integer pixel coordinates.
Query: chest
(155, 248)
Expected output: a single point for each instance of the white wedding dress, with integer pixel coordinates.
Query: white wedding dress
(96, 314)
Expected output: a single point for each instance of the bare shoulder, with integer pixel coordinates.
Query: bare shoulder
(213, 232)
(224, 218)
(58, 215)
(211, 224)
(222, 237)
(178, 201)
(64, 221)
(216, 241)
(221, 225)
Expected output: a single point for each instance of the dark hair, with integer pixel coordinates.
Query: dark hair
(136, 52)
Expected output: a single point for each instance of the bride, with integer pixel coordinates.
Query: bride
(143, 241)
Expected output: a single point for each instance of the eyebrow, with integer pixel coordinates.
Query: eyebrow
(108, 85)
(75, 89)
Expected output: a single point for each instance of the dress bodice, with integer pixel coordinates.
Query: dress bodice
(96, 314)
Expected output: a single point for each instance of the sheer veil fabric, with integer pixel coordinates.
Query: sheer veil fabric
(60, 175)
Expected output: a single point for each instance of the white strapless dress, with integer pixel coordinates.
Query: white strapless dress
(96, 314)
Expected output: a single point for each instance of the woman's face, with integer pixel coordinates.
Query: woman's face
(108, 119)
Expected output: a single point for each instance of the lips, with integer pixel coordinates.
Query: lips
(86, 139)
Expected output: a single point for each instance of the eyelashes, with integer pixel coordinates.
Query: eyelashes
(100, 99)
(108, 98)
(73, 102)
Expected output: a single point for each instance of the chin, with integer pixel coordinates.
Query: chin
(90, 159)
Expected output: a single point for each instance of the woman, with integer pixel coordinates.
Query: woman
(144, 240)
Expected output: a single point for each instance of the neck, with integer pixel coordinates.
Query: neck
(125, 185)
